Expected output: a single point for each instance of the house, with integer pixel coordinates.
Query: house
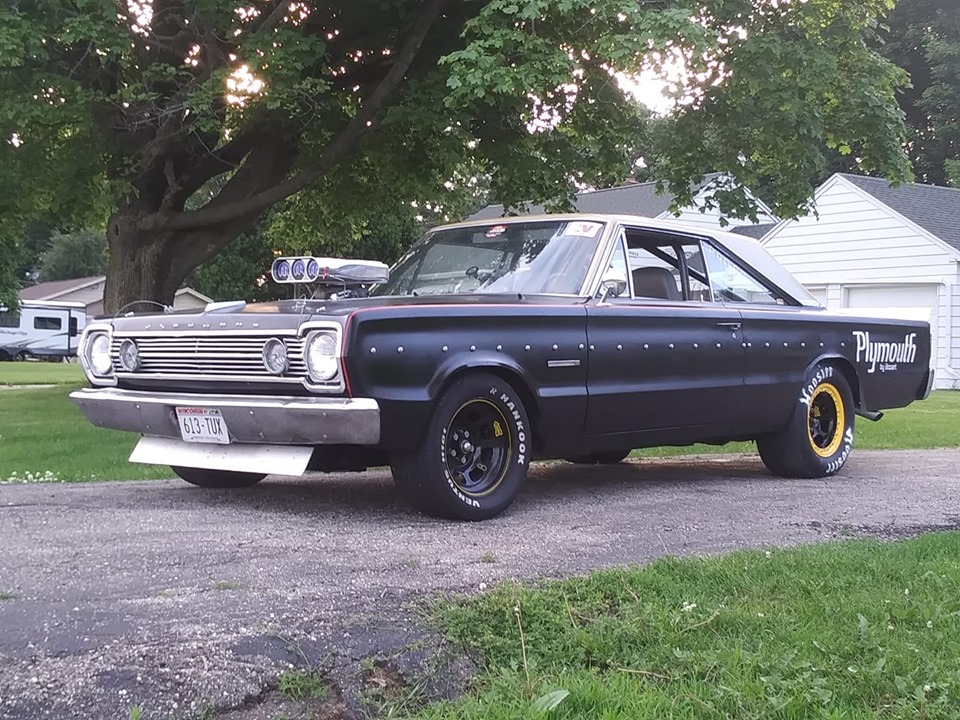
(881, 250)
(89, 292)
(643, 199)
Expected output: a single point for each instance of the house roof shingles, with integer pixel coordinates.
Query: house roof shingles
(754, 231)
(55, 288)
(636, 199)
(934, 208)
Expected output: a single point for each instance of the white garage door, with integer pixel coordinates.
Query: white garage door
(909, 302)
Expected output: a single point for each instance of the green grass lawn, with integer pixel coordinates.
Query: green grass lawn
(42, 432)
(933, 423)
(852, 630)
(40, 373)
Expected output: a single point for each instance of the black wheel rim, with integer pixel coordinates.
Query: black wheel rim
(478, 446)
(825, 420)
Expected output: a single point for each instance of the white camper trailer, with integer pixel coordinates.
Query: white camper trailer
(46, 330)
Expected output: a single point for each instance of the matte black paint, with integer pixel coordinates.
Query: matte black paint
(595, 376)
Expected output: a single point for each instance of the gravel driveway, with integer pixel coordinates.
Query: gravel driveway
(172, 598)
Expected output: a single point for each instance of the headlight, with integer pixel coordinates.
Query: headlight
(322, 361)
(98, 354)
(129, 355)
(275, 356)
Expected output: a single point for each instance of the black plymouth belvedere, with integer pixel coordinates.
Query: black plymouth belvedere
(492, 344)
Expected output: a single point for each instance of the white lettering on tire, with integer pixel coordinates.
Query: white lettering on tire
(823, 373)
(834, 465)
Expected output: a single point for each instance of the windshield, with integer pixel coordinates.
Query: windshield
(523, 257)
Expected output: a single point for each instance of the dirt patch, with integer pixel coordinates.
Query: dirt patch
(273, 704)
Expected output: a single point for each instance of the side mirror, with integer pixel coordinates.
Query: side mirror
(613, 283)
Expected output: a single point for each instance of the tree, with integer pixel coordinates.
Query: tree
(127, 110)
(74, 255)
(923, 38)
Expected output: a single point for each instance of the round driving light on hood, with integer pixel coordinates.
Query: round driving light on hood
(275, 356)
(313, 269)
(281, 270)
(129, 355)
(299, 269)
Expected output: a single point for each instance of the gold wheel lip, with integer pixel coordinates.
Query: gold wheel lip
(506, 465)
(831, 390)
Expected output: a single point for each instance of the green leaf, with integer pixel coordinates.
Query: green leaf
(550, 701)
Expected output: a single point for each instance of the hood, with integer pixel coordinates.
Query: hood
(288, 313)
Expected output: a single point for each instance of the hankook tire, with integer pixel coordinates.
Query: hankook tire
(473, 459)
(819, 436)
(217, 478)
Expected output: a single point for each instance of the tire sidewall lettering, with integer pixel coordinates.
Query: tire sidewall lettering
(508, 406)
(822, 374)
(843, 453)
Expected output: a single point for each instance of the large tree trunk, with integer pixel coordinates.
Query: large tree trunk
(139, 272)
(146, 269)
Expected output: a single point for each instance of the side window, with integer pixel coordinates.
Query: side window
(732, 285)
(46, 323)
(73, 327)
(667, 268)
(9, 320)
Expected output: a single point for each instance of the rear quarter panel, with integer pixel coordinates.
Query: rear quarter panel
(891, 358)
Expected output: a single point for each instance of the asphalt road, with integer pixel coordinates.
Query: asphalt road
(166, 596)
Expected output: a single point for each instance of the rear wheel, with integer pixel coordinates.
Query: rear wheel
(609, 457)
(217, 478)
(819, 436)
(473, 458)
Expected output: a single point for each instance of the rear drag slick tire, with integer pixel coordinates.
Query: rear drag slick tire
(819, 436)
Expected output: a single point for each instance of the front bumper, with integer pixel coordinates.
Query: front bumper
(249, 418)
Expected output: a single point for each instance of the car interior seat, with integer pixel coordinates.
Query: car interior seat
(655, 282)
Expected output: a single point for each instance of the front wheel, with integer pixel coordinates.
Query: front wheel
(819, 436)
(472, 461)
(217, 478)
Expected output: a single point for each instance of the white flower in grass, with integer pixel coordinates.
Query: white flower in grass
(929, 623)
(927, 688)
(687, 607)
(760, 615)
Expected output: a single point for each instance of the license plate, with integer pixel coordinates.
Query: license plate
(202, 425)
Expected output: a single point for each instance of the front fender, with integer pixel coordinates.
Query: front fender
(478, 360)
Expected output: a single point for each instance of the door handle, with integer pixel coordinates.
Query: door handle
(731, 325)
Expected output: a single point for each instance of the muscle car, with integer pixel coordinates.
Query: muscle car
(493, 344)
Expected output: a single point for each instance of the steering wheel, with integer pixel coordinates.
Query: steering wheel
(473, 271)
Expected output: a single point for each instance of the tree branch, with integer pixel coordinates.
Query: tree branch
(214, 212)
(275, 16)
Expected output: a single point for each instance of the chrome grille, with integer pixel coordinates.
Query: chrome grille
(220, 355)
